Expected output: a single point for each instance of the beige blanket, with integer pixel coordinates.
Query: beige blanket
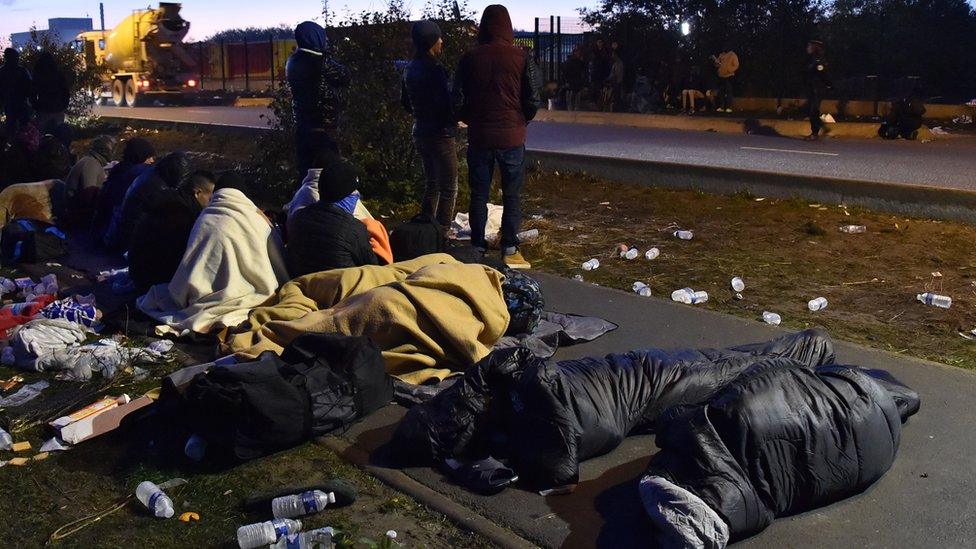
(430, 316)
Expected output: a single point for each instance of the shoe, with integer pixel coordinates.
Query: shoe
(812, 137)
(516, 261)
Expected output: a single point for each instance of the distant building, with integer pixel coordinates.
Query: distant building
(63, 29)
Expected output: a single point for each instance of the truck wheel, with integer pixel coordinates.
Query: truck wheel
(118, 93)
(131, 92)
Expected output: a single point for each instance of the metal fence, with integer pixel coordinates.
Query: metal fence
(246, 66)
(552, 42)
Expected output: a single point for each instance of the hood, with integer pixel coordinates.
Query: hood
(496, 24)
(311, 36)
(102, 147)
(173, 168)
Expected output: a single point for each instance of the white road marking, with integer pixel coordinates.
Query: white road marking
(791, 151)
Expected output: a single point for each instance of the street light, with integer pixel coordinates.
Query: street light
(685, 28)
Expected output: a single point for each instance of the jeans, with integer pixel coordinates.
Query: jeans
(439, 155)
(813, 111)
(725, 93)
(481, 168)
(309, 144)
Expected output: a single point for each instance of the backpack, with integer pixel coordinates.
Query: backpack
(421, 235)
(31, 241)
(321, 383)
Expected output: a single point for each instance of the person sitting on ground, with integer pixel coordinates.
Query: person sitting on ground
(160, 236)
(88, 174)
(692, 91)
(326, 235)
(167, 174)
(52, 160)
(904, 118)
(51, 95)
(137, 158)
(234, 261)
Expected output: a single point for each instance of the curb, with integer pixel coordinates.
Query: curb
(901, 199)
(460, 515)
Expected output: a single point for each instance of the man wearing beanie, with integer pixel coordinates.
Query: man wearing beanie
(326, 235)
(496, 93)
(426, 95)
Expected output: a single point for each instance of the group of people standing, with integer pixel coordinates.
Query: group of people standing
(41, 93)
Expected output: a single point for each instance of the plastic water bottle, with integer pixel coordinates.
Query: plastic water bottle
(738, 284)
(684, 295)
(771, 318)
(591, 264)
(8, 286)
(942, 301)
(818, 304)
(319, 539)
(527, 235)
(262, 534)
(699, 297)
(154, 499)
(632, 253)
(196, 447)
(642, 289)
(853, 229)
(578, 278)
(684, 235)
(298, 505)
(653, 253)
(6, 441)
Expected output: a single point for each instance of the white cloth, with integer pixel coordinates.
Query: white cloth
(43, 336)
(462, 224)
(233, 262)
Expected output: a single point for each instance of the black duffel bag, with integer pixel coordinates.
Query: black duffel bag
(31, 241)
(320, 384)
(421, 235)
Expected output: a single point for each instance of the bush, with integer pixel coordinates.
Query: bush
(375, 131)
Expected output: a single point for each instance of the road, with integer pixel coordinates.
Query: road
(947, 163)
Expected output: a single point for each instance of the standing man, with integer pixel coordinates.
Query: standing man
(574, 76)
(726, 64)
(15, 91)
(51, 93)
(816, 81)
(496, 93)
(426, 94)
(316, 79)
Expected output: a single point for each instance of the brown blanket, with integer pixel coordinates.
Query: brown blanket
(430, 316)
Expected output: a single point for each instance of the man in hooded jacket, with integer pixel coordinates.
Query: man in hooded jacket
(15, 91)
(167, 174)
(496, 93)
(316, 79)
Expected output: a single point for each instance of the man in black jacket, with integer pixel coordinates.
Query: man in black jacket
(15, 91)
(816, 81)
(496, 93)
(161, 233)
(425, 93)
(169, 173)
(316, 79)
(326, 235)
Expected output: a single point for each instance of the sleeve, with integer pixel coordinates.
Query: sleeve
(336, 74)
(735, 62)
(404, 96)
(457, 93)
(531, 87)
(445, 92)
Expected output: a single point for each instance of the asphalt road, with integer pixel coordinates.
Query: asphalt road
(946, 163)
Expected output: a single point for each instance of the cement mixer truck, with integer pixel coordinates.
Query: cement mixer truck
(142, 57)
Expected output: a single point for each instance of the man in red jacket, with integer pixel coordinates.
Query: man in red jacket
(496, 93)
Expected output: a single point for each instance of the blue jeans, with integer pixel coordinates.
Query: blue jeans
(481, 169)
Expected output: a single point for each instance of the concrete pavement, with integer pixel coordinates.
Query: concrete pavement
(947, 163)
(925, 500)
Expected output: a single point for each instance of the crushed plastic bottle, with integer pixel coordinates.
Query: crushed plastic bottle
(527, 235)
(935, 300)
(8, 286)
(653, 253)
(195, 448)
(853, 229)
(684, 235)
(262, 534)
(591, 264)
(317, 539)
(631, 253)
(6, 441)
(817, 304)
(699, 297)
(299, 505)
(771, 318)
(642, 289)
(738, 284)
(154, 499)
(684, 295)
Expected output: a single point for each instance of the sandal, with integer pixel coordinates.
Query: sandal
(487, 476)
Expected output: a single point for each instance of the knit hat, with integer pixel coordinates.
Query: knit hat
(103, 146)
(425, 34)
(138, 150)
(337, 181)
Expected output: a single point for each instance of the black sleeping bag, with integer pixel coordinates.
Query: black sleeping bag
(550, 416)
(780, 439)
